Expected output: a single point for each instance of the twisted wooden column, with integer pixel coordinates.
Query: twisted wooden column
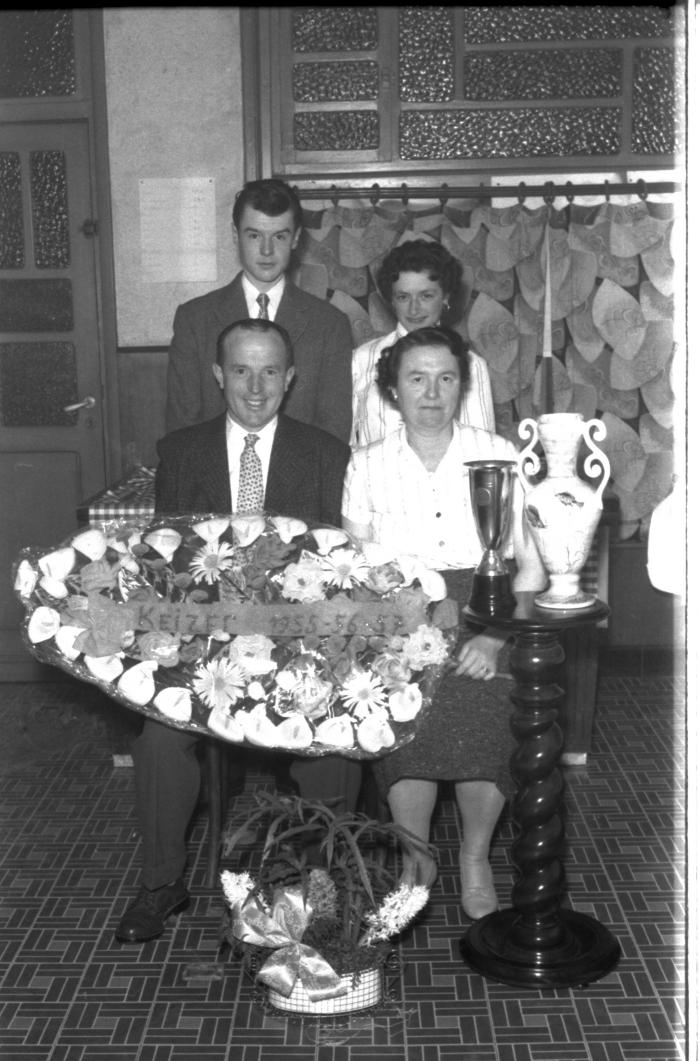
(536, 943)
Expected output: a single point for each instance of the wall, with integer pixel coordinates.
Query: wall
(174, 107)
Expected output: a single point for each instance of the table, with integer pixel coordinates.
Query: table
(536, 943)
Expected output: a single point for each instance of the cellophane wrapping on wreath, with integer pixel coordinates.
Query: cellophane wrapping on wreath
(256, 628)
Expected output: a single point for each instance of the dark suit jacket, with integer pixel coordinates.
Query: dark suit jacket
(321, 393)
(305, 477)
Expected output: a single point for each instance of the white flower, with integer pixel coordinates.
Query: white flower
(375, 733)
(54, 587)
(425, 646)
(219, 683)
(328, 537)
(405, 703)
(247, 529)
(345, 568)
(258, 728)
(304, 581)
(174, 703)
(288, 528)
(335, 732)
(25, 579)
(252, 652)
(256, 691)
(165, 541)
(432, 582)
(137, 684)
(58, 564)
(363, 693)
(237, 887)
(294, 732)
(226, 725)
(43, 624)
(106, 668)
(210, 561)
(91, 543)
(211, 529)
(397, 910)
(65, 639)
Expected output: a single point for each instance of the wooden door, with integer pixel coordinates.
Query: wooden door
(52, 448)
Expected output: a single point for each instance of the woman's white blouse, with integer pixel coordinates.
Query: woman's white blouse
(411, 510)
(373, 418)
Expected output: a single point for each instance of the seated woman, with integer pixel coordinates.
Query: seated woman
(409, 491)
(422, 283)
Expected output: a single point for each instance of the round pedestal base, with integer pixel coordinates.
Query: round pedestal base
(587, 951)
(581, 600)
(564, 592)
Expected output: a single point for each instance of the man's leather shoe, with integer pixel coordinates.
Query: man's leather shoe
(145, 918)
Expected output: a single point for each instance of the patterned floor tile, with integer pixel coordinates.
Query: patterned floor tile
(69, 863)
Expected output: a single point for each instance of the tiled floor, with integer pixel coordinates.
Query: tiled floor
(69, 860)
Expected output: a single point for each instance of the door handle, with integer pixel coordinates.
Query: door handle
(86, 403)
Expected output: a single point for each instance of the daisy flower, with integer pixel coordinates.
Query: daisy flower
(210, 561)
(219, 683)
(345, 568)
(363, 693)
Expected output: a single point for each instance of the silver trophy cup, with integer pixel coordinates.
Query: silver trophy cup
(491, 494)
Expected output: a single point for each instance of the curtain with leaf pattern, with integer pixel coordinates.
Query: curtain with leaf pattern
(612, 288)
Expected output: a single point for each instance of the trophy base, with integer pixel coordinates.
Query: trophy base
(492, 595)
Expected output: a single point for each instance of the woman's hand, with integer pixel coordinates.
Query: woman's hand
(477, 657)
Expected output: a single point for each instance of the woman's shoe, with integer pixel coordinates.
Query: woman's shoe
(478, 891)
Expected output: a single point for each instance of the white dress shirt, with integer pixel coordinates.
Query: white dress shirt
(235, 441)
(251, 293)
(427, 514)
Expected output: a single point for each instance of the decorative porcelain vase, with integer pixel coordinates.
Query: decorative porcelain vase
(366, 992)
(563, 510)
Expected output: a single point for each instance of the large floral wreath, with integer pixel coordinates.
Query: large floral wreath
(256, 628)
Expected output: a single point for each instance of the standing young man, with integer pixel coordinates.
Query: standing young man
(267, 221)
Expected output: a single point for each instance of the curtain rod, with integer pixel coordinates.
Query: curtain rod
(547, 191)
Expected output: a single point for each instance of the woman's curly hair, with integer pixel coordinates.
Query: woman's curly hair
(389, 363)
(420, 256)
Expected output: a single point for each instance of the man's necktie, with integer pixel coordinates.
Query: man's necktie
(263, 301)
(250, 479)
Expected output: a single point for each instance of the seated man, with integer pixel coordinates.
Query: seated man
(262, 459)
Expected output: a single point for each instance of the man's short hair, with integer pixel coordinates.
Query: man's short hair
(270, 196)
(254, 324)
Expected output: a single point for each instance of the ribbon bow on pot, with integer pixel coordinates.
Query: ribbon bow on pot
(283, 929)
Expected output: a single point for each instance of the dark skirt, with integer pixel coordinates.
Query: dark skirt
(464, 734)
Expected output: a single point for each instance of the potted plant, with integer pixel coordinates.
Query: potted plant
(315, 926)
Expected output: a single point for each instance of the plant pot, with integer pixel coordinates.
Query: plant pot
(366, 992)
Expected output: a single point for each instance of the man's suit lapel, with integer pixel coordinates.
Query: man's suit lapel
(232, 305)
(216, 484)
(287, 472)
(289, 315)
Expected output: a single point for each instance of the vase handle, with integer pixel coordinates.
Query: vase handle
(596, 461)
(528, 462)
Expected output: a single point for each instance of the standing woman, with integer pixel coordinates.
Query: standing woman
(409, 492)
(422, 283)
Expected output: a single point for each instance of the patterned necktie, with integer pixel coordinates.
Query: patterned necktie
(263, 301)
(250, 479)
